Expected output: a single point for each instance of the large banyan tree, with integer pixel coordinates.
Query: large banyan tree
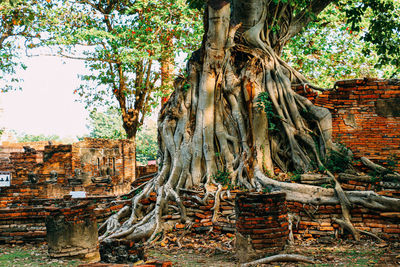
(234, 112)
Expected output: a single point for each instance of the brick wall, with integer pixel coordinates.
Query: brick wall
(111, 162)
(118, 157)
(24, 220)
(314, 221)
(22, 205)
(366, 116)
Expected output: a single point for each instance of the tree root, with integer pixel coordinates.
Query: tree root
(345, 225)
(280, 258)
(380, 169)
(292, 218)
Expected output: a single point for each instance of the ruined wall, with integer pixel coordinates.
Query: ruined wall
(366, 116)
(313, 221)
(7, 148)
(24, 220)
(96, 166)
(100, 157)
(22, 205)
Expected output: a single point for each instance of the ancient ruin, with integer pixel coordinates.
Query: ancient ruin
(102, 172)
(44, 175)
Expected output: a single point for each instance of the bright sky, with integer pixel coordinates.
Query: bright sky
(46, 104)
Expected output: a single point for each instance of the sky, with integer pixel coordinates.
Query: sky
(46, 104)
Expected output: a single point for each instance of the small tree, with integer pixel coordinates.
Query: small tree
(122, 43)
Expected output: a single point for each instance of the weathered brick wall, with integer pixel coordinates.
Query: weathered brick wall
(6, 147)
(98, 158)
(57, 158)
(261, 224)
(314, 221)
(366, 116)
(117, 157)
(146, 170)
(22, 216)
(24, 221)
(23, 163)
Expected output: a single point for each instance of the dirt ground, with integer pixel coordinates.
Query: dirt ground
(335, 253)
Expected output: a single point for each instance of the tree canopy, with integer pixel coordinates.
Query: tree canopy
(338, 37)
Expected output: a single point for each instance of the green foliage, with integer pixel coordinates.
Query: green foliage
(196, 4)
(186, 87)
(107, 125)
(338, 161)
(295, 176)
(329, 50)
(22, 138)
(123, 38)
(264, 103)
(327, 185)
(16, 31)
(223, 177)
(378, 22)
(266, 190)
(138, 191)
(391, 163)
(146, 145)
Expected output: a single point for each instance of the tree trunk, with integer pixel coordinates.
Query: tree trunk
(167, 72)
(236, 114)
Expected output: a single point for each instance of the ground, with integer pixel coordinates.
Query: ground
(202, 252)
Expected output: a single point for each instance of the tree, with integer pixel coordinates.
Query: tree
(146, 143)
(121, 43)
(235, 112)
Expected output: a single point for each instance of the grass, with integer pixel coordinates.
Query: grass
(346, 253)
(30, 255)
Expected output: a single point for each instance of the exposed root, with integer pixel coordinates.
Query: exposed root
(378, 168)
(280, 258)
(215, 209)
(292, 218)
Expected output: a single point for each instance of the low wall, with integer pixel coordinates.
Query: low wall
(22, 206)
(25, 222)
(314, 221)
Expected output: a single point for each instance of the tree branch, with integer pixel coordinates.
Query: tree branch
(306, 16)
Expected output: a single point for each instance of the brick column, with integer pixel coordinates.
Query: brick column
(261, 224)
(72, 232)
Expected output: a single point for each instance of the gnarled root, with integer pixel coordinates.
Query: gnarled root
(280, 258)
